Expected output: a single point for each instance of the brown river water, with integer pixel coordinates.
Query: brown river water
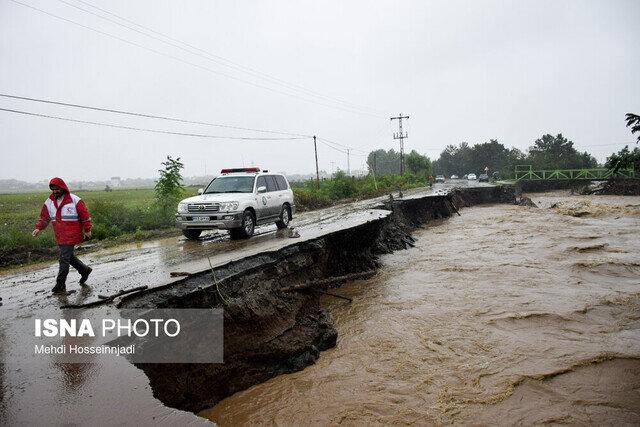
(503, 315)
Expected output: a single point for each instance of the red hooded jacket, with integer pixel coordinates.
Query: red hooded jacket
(69, 217)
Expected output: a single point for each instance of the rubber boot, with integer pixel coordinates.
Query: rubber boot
(60, 287)
(84, 276)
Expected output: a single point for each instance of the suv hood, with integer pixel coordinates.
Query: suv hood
(217, 197)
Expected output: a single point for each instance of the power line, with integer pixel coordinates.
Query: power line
(340, 145)
(209, 56)
(324, 141)
(196, 135)
(151, 116)
(175, 58)
(331, 146)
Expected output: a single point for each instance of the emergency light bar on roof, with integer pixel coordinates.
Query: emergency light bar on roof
(237, 170)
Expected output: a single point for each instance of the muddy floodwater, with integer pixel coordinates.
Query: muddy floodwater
(504, 315)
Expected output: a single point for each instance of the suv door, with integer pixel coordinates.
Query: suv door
(273, 201)
(262, 208)
(283, 189)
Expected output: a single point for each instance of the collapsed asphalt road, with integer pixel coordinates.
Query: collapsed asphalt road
(151, 265)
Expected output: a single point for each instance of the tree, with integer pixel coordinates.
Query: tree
(624, 159)
(418, 164)
(383, 162)
(557, 152)
(169, 189)
(464, 159)
(633, 121)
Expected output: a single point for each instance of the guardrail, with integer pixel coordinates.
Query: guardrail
(526, 172)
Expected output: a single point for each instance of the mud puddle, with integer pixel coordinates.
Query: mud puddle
(505, 315)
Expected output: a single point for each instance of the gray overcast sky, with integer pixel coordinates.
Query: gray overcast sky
(463, 70)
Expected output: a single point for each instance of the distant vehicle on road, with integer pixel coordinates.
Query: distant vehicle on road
(472, 177)
(454, 176)
(483, 177)
(439, 178)
(237, 200)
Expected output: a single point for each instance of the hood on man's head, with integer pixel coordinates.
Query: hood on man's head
(59, 182)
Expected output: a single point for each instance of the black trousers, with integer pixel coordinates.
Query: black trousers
(67, 257)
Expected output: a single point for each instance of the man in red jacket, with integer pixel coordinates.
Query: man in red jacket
(71, 222)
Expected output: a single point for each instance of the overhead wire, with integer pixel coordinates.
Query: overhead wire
(209, 56)
(175, 58)
(331, 146)
(329, 143)
(340, 145)
(111, 125)
(151, 116)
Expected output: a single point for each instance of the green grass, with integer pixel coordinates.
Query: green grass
(135, 213)
(114, 213)
(343, 188)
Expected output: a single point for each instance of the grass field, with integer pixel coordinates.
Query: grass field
(135, 212)
(113, 213)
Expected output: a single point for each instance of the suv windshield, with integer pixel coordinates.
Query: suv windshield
(231, 184)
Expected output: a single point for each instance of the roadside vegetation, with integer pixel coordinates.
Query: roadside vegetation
(342, 188)
(131, 214)
(114, 213)
(137, 214)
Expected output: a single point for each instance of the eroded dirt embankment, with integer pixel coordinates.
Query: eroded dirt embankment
(274, 322)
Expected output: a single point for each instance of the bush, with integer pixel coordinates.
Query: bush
(343, 187)
(111, 219)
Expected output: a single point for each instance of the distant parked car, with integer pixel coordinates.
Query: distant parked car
(483, 177)
(454, 176)
(472, 177)
(439, 178)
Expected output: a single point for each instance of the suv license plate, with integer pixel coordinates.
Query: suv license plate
(201, 218)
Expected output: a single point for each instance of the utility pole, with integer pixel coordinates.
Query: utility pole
(375, 183)
(315, 148)
(348, 164)
(401, 136)
(374, 163)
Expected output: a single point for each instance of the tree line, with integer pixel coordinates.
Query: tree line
(547, 152)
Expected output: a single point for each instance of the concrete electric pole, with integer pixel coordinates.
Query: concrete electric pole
(401, 136)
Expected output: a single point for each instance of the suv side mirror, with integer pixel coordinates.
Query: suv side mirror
(200, 190)
(262, 189)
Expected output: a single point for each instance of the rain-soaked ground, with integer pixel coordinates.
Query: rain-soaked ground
(505, 315)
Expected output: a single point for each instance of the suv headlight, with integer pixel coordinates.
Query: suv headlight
(228, 206)
(183, 207)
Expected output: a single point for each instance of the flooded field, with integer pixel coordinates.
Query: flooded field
(504, 315)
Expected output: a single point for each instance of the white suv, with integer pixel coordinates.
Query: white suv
(237, 200)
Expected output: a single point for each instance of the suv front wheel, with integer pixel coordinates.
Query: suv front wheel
(191, 234)
(246, 229)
